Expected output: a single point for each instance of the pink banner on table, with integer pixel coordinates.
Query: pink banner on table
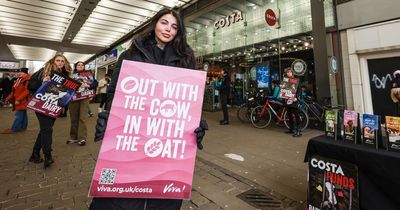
(149, 147)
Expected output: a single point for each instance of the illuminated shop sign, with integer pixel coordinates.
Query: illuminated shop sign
(9, 65)
(272, 18)
(236, 16)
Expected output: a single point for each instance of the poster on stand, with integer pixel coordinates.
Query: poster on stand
(289, 88)
(149, 147)
(393, 133)
(350, 124)
(331, 119)
(84, 77)
(52, 96)
(332, 184)
(370, 130)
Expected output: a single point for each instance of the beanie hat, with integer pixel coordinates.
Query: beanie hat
(25, 70)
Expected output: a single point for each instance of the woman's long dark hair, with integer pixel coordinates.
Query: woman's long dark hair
(76, 65)
(179, 43)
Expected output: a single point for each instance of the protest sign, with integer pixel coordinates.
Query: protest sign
(84, 77)
(149, 147)
(52, 96)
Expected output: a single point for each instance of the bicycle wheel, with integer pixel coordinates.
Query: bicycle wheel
(303, 118)
(243, 113)
(260, 120)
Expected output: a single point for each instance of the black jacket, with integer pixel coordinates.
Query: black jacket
(36, 80)
(226, 85)
(142, 50)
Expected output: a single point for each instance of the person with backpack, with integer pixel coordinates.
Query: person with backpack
(19, 97)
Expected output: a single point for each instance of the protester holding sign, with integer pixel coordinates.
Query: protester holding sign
(164, 42)
(60, 65)
(291, 89)
(79, 106)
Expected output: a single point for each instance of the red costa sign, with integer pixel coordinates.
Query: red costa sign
(272, 18)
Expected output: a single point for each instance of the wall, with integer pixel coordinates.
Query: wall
(360, 45)
(362, 12)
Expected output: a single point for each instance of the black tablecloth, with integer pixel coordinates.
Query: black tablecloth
(378, 170)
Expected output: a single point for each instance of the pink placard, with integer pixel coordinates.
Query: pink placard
(149, 147)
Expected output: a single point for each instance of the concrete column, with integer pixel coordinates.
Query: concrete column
(320, 49)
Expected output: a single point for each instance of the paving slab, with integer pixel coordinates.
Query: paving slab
(273, 162)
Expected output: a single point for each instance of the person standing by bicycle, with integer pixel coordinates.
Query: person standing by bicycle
(292, 109)
(225, 91)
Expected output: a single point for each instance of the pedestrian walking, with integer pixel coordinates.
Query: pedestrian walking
(8, 83)
(164, 42)
(60, 65)
(103, 84)
(19, 98)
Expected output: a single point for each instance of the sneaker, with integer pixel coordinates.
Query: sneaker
(7, 131)
(99, 110)
(72, 141)
(91, 114)
(297, 134)
(82, 142)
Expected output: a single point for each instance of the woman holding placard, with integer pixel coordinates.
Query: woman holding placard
(60, 65)
(164, 43)
(78, 108)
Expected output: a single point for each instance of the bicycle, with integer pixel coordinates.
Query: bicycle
(253, 100)
(261, 115)
(315, 110)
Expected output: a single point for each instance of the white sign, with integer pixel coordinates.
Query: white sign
(229, 20)
(299, 67)
(9, 65)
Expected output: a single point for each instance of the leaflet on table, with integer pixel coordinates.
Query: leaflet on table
(332, 184)
(350, 124)
(393, 132)
(149, 147)
(331, 118)
(53, 95)
(370, 129)
(288, 88)
(84, 77)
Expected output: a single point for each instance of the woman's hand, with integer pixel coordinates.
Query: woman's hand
(85, 85)
(46, 78)
(101, 125)
(201, 132)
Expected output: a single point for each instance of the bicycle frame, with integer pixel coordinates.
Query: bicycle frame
(268, 104)
(311, 106)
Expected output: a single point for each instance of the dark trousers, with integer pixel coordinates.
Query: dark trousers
(45, 136)
(103, 97)
(293, 115)
(224, 102)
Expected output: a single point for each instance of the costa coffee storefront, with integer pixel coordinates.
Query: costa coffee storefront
(256, 42)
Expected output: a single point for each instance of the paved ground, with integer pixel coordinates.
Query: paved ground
(272, 163)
